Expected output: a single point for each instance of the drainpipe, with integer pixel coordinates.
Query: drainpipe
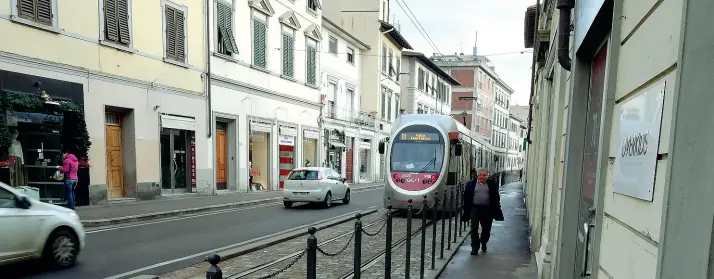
(209, 114)
(533, 77)
(565, 7)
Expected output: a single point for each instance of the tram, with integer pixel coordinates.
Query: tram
(424, 156)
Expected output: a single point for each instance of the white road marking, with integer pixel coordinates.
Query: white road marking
(232, 246)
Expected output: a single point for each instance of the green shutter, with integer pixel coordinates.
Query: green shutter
(180, 36)
(288, 55)
(225, 28)
(259, 30)
(311, 65)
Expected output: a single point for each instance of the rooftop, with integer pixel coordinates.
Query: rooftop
(431, 65)
(394, 35)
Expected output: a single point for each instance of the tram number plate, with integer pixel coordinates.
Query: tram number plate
(300, 193)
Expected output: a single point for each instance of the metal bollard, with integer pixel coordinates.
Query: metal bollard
(457, 212)
(358, 247)
(311, 254)
(443, 223)
(453, 211)
(214, 272)
(450, 211)
(388, 246)
(407, 262)
(424, 207)
(434, 210)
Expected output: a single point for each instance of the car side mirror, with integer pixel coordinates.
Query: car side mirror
(381, 148)
(23, 202)
(458, 149)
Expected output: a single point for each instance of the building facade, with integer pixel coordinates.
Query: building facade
(380, 80)
(134, 71)
(350, 133)
(618, 175)
(516, 134)
(426, 88)
(476, 98)
(264, 94)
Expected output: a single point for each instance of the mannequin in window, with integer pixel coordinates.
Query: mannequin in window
(18, 166)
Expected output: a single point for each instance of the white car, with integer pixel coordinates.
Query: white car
(31, 229)
(315, 185)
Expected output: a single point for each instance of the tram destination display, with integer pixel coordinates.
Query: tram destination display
(416, 136)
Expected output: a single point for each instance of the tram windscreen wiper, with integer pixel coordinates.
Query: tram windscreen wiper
(431, 162)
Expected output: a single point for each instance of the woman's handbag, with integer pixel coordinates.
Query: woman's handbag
(59, 176)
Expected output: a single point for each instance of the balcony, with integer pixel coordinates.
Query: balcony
(348, 114)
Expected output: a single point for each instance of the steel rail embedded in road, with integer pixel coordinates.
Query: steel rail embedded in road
(375, 259)
(287, 257)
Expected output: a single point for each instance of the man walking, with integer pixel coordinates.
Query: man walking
(482, 205)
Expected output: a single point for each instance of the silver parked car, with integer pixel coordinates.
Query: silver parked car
(315, 185)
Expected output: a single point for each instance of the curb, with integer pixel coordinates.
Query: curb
(262, 244)
(452, 253)
(189, 211)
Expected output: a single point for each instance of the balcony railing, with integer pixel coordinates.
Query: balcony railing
(348, 114)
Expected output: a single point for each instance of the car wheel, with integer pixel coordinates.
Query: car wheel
(346, 200)
(288, 204)
(328, 200)
(61, 249)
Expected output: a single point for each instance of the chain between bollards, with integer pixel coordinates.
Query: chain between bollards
(311, 254)
(388, 246)
(407, 261)
(424, 208)
(358, 247)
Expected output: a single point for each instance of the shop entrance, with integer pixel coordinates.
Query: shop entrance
(178, 164)
(114, 160)
(309, 148)
(259, 156)
(365, 164)
(286, 147)
(221, 155)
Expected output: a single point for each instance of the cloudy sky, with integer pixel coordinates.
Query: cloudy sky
(452, 26)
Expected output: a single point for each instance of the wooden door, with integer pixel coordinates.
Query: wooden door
(115, 171)
(221, 154)
(350, 164)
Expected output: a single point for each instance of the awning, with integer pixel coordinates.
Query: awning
(178, 122)
(288, 131)
(310, 134)
(338, 144)
(260, 127)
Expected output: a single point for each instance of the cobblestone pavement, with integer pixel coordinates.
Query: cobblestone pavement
(398, 268)
(275, 252)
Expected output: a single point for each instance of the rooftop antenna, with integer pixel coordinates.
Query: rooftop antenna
(476, 44)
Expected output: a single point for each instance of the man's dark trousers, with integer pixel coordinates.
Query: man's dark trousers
(480, 215)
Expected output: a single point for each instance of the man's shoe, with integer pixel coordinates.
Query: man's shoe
(474, 252)
(483, 247)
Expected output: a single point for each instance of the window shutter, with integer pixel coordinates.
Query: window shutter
(110, 20)
(225, 26)
(259, 30)
(26, 9)
(170, 33)
(180, 36)
(287, 55)
(44, 11)
(123, 21)
(311, 65)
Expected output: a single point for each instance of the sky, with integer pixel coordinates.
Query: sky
(452, 26)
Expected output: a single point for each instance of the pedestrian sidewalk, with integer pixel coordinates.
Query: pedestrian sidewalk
(509, 255)
(112, 214)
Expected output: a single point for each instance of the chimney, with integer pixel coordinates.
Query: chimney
(476, 44)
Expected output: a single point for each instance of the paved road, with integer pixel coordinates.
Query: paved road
(121, 250)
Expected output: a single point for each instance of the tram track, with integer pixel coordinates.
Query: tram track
(262, 267)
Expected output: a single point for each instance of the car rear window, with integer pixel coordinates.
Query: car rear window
(303, 175)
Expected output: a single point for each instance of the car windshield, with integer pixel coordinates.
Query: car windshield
(418, 148)
(303, 175)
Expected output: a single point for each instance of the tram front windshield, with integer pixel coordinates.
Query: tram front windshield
(417, 149)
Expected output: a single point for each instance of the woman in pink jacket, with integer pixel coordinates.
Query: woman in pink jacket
(69, 168)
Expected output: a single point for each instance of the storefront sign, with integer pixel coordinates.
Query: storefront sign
(585, 12)
(636, 162)
(286, 140)
(193, 163)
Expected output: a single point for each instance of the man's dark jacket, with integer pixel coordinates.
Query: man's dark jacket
(494, 199)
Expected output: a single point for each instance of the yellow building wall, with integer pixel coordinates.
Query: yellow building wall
(76, 42)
